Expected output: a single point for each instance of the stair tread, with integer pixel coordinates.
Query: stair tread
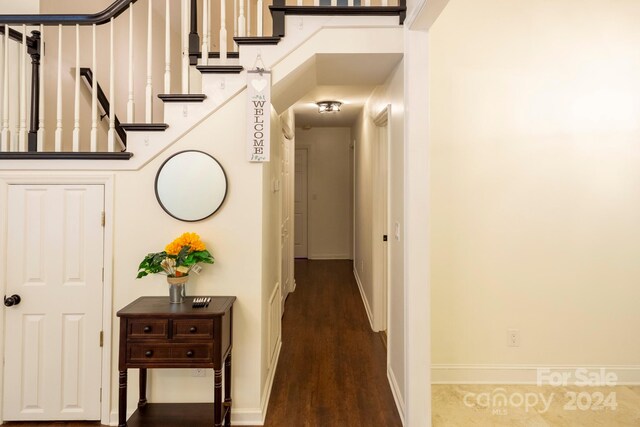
(79, 155)
(220, 68)
(182, 97)
(339, 10)
(257, 40)
(153, 127)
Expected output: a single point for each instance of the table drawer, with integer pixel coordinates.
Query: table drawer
(193, 328)
(148, 328)
(142, 352)
(170, 353)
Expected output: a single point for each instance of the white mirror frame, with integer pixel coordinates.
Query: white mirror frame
(191, 185)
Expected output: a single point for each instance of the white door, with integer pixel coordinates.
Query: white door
(52, 338)
(300, 205)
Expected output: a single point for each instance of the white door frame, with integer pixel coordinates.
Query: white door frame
(52, 178)
(381, 226)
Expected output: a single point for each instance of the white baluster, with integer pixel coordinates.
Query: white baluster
(58, 134)
(76, 102)
(22, 130)
(235, 17)
(111, 134)
(334, 2)
(223, 31)
(300, 3)
(242, 22)
(185, 45)
(205, 32)
(259, 18)
(248, 17)
(367, 2)
(4, 136)
(130, 104)
(350, 3)
(94, 95)
(385, 2)
(167, 47)
(41, 98)
(149, 87)
(316, 2)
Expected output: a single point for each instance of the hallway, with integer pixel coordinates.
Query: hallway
(332, 369)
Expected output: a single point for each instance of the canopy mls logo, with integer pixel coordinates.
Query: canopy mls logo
(258, 115)
(571, 389)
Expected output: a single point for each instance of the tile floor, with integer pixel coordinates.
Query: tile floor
(535, 406)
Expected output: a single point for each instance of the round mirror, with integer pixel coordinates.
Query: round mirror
(191, 185)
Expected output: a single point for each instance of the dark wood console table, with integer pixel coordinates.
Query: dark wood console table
(157, 334)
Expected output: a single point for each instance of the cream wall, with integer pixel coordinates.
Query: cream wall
(234, 235)
(535, 123)
(365, 133)
(329, 191)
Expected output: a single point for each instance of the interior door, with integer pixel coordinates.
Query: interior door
(300, 204)
(52, 337)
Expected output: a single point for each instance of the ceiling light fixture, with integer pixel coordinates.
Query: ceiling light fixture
(328, 106)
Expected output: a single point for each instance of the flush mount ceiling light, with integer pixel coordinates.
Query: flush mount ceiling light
(328, 106)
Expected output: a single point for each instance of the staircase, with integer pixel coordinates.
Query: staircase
(66, 80)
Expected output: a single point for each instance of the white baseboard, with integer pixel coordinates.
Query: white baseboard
(239, 417)
(514, 374)
(397, 393)
(364, 298)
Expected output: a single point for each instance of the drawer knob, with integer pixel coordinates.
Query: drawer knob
(190, 353)
(148, 353)
(146, 329)
(193, 329)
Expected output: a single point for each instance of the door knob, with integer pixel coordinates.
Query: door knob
(12, 300)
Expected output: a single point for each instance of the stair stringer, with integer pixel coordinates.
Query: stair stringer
(306, 36)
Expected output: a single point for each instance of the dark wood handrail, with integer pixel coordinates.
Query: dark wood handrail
(104, 103)
(112, 11)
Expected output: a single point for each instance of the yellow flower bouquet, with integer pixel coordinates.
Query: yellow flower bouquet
(178, 258)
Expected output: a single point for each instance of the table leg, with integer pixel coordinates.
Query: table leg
(143, 388)
(217, 397)
(227, 389)
(122, 399)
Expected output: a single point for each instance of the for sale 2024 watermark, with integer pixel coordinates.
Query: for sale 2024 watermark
(571, 388)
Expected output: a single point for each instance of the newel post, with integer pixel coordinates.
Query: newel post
(35, 91)
(278, 19)
(194, 39)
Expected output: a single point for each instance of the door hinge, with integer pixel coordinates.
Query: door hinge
(101, 338)
(100, 394)
(384, 238)
(103, 219)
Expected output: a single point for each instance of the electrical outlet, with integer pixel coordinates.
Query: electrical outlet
(198, 372)
(513, 338)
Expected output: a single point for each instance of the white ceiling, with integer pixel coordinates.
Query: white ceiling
(348, 78)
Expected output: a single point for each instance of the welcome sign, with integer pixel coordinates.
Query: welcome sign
(258, 115)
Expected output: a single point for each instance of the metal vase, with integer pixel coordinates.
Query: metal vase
(176, 289)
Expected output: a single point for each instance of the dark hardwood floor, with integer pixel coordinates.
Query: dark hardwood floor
(332, 367)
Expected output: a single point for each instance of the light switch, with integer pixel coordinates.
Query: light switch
(396, 231)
